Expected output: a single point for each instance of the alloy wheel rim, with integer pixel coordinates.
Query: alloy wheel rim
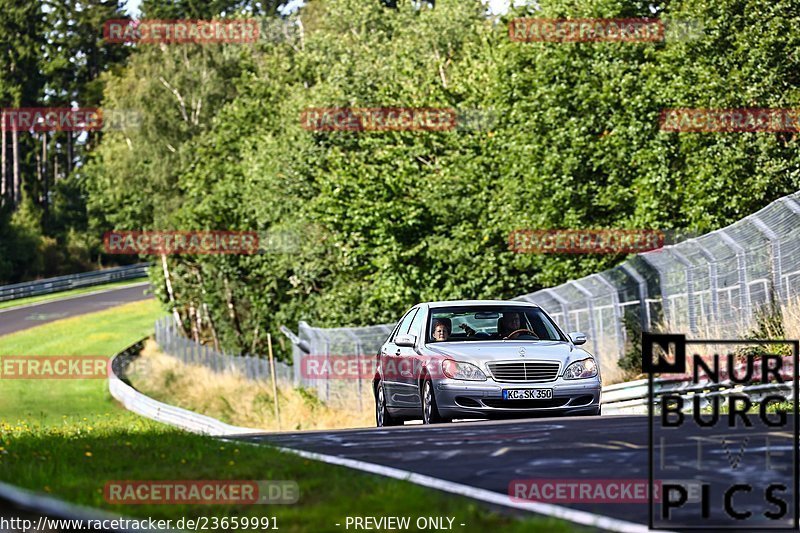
(428, 408)
(380, 406)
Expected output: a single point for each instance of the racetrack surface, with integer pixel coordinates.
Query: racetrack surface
(490, 455)
(29, 316)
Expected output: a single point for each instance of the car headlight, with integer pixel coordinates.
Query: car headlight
(466, 371)
(581, 369)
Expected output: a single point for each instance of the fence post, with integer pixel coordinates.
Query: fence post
(741, 266)
(563, 303)
(687, 268)
(713, 279)
(619, 331)
(642, 284)
(775, 253)
(590, 305)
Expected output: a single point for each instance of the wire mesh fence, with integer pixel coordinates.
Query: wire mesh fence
(709, 286)
(173, 343)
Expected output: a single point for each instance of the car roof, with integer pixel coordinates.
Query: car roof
(451, 303)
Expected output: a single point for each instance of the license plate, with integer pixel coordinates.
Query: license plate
(527, 394)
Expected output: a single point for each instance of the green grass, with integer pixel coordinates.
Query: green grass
(104, 333)
(69, 438)
(63, 294)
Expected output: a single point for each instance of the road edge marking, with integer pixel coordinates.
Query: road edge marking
(556, 511)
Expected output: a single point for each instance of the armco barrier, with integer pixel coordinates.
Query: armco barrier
(631, 397)
(147, 407)
(21, 503)
(72, 281)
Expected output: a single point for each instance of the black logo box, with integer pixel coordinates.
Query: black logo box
(678, 366)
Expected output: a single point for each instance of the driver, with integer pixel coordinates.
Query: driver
(441, 329)
(508, 323)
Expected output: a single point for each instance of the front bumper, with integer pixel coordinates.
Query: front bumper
(484, 399)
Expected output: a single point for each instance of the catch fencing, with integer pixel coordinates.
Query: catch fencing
(709, 286)
(253, 367)
(72, 281)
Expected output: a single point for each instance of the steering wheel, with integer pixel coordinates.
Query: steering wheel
(516, 333)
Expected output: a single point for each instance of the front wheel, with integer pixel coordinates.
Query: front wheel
(382, 416)
(430, 413)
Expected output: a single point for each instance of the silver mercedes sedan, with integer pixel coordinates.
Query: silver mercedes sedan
(482, 359)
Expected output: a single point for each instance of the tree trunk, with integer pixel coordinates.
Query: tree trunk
(69, 153)
(232, 313)
(3, 162)
(194, 317)
(204, 306)
(45, 188)
(17, 187)
(175, 314)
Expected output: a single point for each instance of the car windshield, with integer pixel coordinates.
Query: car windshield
(486, 323)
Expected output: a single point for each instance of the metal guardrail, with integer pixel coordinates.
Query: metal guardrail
(631, 397)
(147, 407)
(72, 281)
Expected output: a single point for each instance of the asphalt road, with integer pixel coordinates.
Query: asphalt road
(491, 455)
(18, 319)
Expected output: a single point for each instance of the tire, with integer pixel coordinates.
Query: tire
(382, 416)
(430, 413)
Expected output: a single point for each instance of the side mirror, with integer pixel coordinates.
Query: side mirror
(577, 338)
(405, 340)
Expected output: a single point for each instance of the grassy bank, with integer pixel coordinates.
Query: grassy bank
(241, 402)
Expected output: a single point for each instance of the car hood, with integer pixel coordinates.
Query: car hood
(478, 352)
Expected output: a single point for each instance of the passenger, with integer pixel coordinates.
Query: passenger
(441, 329)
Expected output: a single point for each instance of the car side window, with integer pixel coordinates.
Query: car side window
(416, 325)
(405, 323)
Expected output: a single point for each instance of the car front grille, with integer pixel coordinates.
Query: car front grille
(524, 371)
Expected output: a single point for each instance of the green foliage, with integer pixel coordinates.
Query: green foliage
(631, 361)
(388, 219)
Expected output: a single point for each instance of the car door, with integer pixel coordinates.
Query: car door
(390, 362)
(410, 362)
